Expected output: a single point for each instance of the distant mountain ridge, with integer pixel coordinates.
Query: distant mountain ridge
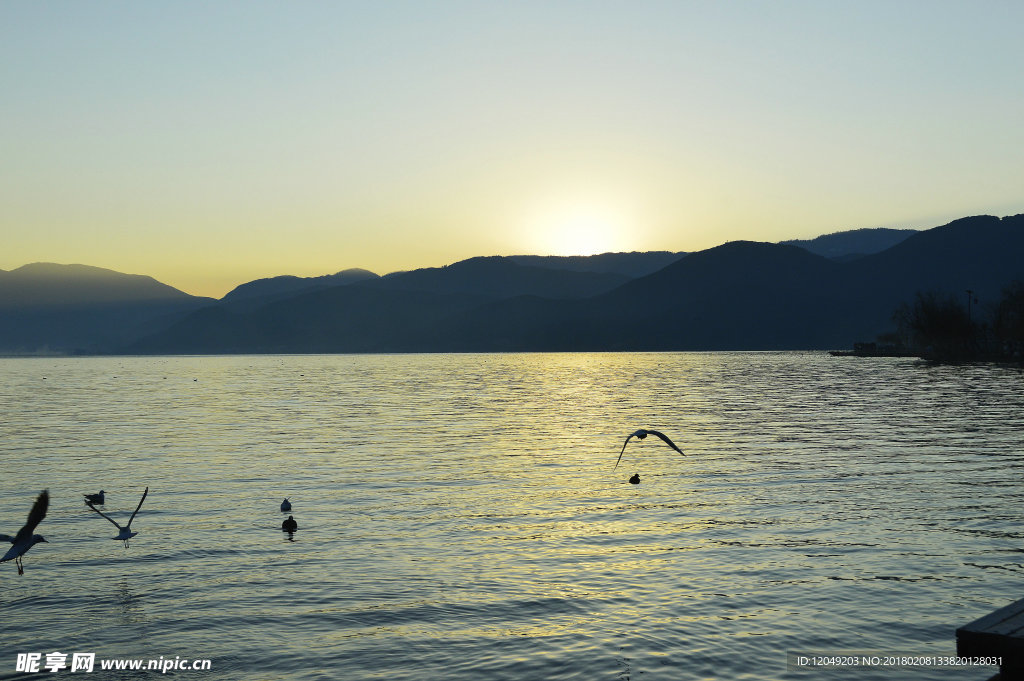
(633, 264)
(46, 307)
(52, 284)
(501, 277)
(759, 296)
(739, 296)
(51, 308)
(289, 283)
(853, 244)
(262, 291)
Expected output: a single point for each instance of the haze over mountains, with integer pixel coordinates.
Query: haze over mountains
(816, 294)
(853, 244)
(48, 308)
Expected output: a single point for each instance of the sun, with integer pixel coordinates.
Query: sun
(579, 230)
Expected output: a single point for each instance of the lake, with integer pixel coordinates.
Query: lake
(459, 516)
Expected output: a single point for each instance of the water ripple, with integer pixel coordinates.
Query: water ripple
(459, 517)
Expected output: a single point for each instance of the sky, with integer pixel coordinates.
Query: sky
(211, 143)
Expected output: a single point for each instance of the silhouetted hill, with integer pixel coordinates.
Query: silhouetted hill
(46, 307)
(741, 295)
(981, 253)
(402, 311)
(745, 296)
(334, 320)
(502, 277)
(53, 284)
(738, 296)
(263, 291)
(634, 264)
(853, 244)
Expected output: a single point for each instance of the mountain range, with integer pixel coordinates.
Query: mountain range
(47, 308)
(815, 294)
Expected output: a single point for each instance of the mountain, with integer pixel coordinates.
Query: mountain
(567, 276)
(45, 307)
(982, 253)
(501, 277)
(340, 319)
(757, 296)
(853, 244)
(262, 291)
(741, 295)
(738, 296)
(398, 312)
(632, 265)
(51, 284)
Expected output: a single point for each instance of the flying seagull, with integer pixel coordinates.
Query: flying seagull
(95, 498)
(25, 540)
(124, 533)
(286, 505)
(640, 435)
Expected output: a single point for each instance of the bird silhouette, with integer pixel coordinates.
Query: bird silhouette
(286, 505)
(640, 435)
(25, 539)
(289, 525)
(95, 498)
(635, 479)
(124, 532)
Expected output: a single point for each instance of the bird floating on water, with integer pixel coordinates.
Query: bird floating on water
(289, 525)
(640, 435)
(635, 479)
(95, 498)
(25, 539)
(124, 532)
(286, 505)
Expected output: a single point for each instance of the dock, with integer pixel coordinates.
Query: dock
(874, 350)
(999, 634)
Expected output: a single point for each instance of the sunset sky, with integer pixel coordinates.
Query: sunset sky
(212, 143)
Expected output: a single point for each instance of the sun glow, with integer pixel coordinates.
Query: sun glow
(579, 230)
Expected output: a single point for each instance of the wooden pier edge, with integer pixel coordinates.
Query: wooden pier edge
(997, 634)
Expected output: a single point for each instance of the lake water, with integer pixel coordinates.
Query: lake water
(460, 518)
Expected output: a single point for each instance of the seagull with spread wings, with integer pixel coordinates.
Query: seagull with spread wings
(25, 539)
(640, 435)
(124, 533)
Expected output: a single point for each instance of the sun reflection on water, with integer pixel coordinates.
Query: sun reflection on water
(459, 516)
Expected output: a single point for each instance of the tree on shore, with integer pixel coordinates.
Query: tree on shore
(939, 326)
(1008, 320)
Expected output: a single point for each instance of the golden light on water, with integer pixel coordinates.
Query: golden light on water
(463, 509)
